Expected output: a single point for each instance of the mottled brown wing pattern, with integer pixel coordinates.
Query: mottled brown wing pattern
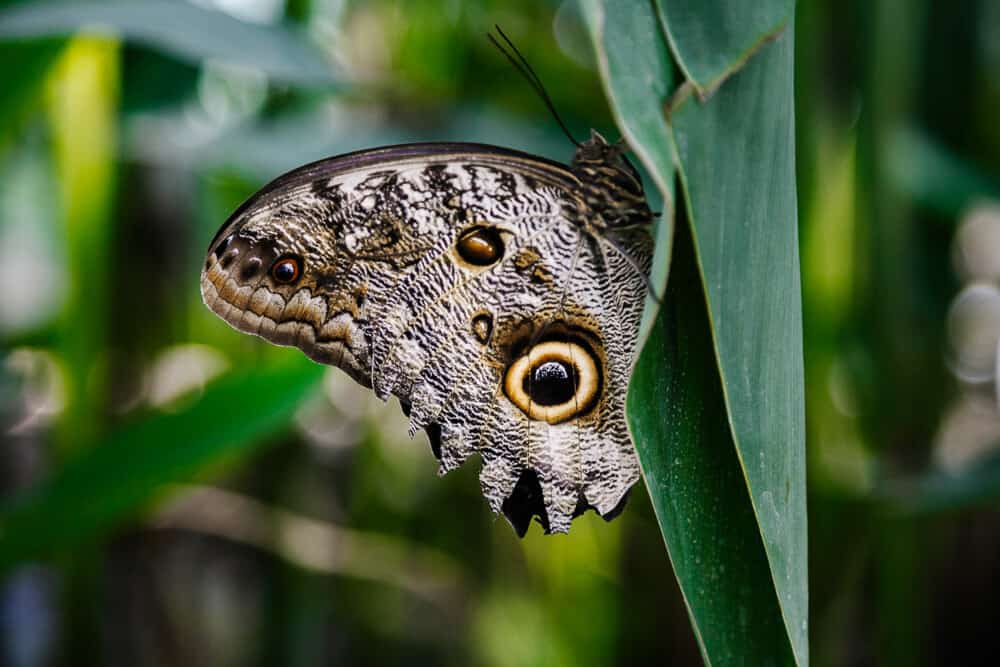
(496, 294)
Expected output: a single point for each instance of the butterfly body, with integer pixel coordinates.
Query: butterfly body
(495, 293)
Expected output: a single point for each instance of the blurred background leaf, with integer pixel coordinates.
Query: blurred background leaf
(179, 28)
(27, 63)
(941, 491)
(97, 490)
(82, 110)
(935, 178)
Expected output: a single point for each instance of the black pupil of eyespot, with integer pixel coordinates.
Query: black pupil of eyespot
(285, 270)
(551, 383)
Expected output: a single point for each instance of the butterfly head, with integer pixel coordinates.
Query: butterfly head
(612, 187)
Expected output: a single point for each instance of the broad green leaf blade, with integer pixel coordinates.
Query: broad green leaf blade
(736, 158)
(638, 80)
(113, 480)
(711, 39)
(676, 403)
(695, 481)
(180, 28)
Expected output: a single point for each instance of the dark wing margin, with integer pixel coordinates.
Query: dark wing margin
(544, 169)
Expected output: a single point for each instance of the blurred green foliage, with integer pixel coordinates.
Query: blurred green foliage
(121, 154)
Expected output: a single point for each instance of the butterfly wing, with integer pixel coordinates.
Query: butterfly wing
(455, 277)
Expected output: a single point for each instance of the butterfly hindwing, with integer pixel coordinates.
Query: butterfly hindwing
(472, 283)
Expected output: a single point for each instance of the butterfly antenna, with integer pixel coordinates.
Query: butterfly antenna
(520, 63)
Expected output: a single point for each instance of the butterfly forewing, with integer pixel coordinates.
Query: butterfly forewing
(471, 282)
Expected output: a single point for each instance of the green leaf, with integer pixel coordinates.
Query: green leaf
(26, 65)
(940, 491)
(637, 80)
(736, 158)
(180, 28)
(82, 111)
(696, 483)
(711, 39)
(934, 177)
(716, 401)
(113, 480)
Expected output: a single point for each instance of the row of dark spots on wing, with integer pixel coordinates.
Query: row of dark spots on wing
(438, 179)
(329, 190)
(226, 253)
(507, 184)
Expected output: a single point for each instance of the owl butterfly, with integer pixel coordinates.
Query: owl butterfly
(497, 294)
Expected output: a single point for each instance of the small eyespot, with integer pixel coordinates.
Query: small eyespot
(480, 246)
(286, 270)
(250, 268)
(554, 381)
(482, 327)
(228, 258)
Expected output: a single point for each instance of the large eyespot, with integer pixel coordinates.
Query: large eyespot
(480, 246)
(286, 270)
(554, 381)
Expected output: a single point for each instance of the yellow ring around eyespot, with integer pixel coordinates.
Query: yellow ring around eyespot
(588, 380)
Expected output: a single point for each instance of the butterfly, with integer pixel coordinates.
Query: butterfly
(495, 293)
